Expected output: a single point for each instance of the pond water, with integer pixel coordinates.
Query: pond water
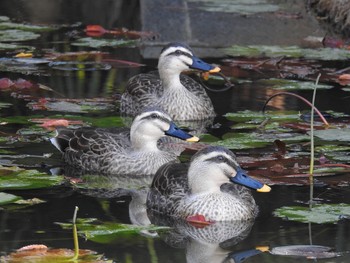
(94, 88)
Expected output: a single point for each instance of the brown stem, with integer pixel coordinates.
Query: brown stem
(299, 97)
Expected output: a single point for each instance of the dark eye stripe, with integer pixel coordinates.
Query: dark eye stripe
(180, 52)
(223, 160)
(152, 116)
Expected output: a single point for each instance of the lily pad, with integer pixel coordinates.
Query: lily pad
(43, 254)
(5, 105)
(107, 232)
(284, 84)
(288, 51)
(8, 46)
(6, 198)
(320, 213)
(342, 135)
(15, 35)
(237, 141)
(103, 122)
(331, 148)
(15, 178)
(100, 42)
(307, 251)
(4, 25)
(246, 7)
(258, 117)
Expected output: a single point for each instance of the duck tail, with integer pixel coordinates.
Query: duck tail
(60, 143)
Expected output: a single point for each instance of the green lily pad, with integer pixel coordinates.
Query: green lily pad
(7, 46)
(100, 42)
(342, 135)
(288, 51)
(331, 148)
(4, 19)
(320, 213)
(103, 122)
(4, 25)
(284, 84)
(15, 35)
(15, 178)
(6, 198)
(237, 141)
(246, 7)
(5, 105)
(41, 253)
(107, 232)
(258, 117)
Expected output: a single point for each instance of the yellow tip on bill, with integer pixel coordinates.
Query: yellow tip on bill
(264, 189)
(192, 139)
(262, 248)
(215, 70)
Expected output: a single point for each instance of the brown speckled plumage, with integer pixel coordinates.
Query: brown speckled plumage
(181, 97)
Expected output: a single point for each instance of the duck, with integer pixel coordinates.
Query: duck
(181, 97)
(211, 187)
(119, 151)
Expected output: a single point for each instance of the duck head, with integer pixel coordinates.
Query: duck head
(152, 124)
(214, 166)
(177, 57)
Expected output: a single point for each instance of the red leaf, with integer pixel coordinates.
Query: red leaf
(332, 42)
(344, 77)
(33, 247)
(23, 84)
(6, 83)
(198, 221)
(95, 29)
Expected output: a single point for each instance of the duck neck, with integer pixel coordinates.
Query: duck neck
(170, 80)
(143, 142)
(200, 180)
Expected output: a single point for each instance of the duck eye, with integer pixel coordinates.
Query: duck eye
(220, 158)
(154, 116)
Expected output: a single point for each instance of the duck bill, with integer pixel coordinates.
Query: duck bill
(174, 131)
(243, 179)
(201, 65)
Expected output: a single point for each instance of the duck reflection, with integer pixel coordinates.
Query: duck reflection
(202, 243)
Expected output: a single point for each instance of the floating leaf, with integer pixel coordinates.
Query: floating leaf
(290, 51)
(247, 7)
(6, 198)
(32, 201)
(284, 84)
(79, 65)
(103, 122)
(4, 19)
(256, 140)
(320, 213)
(334, 134)
(107, 232)
(258, 117)
(5, 104)
(43, 254)
(7, 46)
(98, 43)
(15, 178)
(331, 148)
(97, 30)
(14, 35)
(308, 251)
(25, 27)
